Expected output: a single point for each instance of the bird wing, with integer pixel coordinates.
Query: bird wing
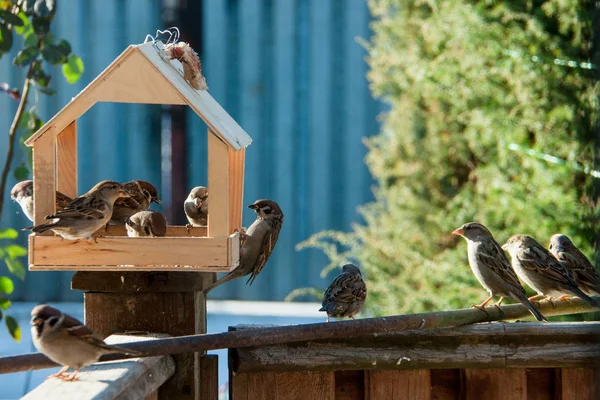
(492, 255)
(345, 288)
(128, 202)
(62, 200)
(539, 260)
(580, 266)
(82, 208)
(76, 329)
(266, 249)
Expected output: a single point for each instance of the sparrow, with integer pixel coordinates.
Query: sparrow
(142, 193)
(146, 223)
(540, 270)
(346, 294)
(196, 206)
(86, 214)
(68, 342)
(492, 268)
(583, 271)
(22, 193)
(258, 242)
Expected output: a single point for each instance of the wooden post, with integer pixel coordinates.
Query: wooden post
(66, 160)
(218, 187)
(155, 302)
(44, 173)
(236, 188)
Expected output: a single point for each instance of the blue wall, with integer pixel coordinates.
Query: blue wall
(289, 71)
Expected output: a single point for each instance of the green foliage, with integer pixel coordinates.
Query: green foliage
(31, 21)
(492, 106)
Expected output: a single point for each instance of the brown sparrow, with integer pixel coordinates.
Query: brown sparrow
(146, 223)
(491, 267)
(540, 270)
(258, 242)
(141, 193)
(346, 294)
(196, 206)
(583, 271)
(86, 214)
(22, 193)
(68, 342)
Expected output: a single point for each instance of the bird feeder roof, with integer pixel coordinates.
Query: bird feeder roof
(140, 75)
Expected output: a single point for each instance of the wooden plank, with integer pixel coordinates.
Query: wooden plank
(218, 186)
(66, 160)
(211, 254)
(238, 386)
(73, 110)
(579, 384)
(236, 188)
(497, 384)
(139, 282)
(349, 385)
(128, 83)
(289, 386)
(172, 231)
(129, 379)
(445, 384)
(44, 176)
(203, 104)
(540, 383)
(209, 377)
(410, 384)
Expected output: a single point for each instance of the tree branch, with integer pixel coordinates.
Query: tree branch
(12, 134)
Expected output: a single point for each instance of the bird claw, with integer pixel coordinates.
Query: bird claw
(482, 308)
(188, 227)
(70, 377)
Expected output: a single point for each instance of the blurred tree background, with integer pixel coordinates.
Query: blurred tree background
(491, 119)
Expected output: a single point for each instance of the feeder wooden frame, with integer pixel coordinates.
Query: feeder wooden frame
(140, 75)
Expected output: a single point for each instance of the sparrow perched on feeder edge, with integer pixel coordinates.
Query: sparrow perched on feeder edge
(586, 276)
(346, 294)
(68, 342)
(196, 207)
(82, 217)
(146, 223)
(540, 270)
(22, 193)
(258, 242)
(141, 194)
(492, 268)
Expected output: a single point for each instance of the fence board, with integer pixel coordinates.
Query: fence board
(579, 384)
(400, 385)
(284, 386)
(497, 384)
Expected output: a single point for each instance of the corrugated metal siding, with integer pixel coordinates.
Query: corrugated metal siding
(291, 73)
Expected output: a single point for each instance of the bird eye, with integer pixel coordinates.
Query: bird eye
(267, 210)
(53, 320)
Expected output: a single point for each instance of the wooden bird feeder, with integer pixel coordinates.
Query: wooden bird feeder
(140, 75)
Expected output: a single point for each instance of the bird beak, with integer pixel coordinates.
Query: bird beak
(253, 206)
(505, 246)
(458, 231)
(156, 200)
(36, 321)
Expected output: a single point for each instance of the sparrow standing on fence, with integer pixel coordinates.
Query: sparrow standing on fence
(540, 270)
(196, 207)
(68, 342)
(258, 242)
(141, 193)
(22, 193)
(586, 276)
(146, 223)
(491, 267)
(86, 214)
(346, 294)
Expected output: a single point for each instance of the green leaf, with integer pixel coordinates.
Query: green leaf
(23, 120)
(64, 46)
(15, 266)
(44, 9)
(13, 328)
(25, 27)
(35, 122)
(40, 76)
(73, 69)
(54, 54)
(26, 56)
(6, 38)
(31, 38)
(10, 18)
(14, 250)
(6, 285)
(21, 173)
(28, 7)
(41, 26)
(48, 91)
(8, 233)
(4, 304)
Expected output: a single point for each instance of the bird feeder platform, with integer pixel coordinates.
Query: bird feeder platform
(141, 74)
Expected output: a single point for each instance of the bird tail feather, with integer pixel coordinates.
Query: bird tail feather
(592, 302)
